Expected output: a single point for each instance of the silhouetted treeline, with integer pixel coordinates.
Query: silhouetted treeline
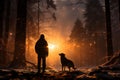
(89, 38)
(95, 25)
(20, 39)
(16, 23)
(101, 32)
(13, 27)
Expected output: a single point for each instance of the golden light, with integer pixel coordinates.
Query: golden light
(56, 45)
(51, 46)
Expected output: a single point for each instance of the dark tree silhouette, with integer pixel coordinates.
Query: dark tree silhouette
(119, 13)
(50, 3)
(95, 17)
(5, 30)
(95, 25)
(119, 9)
(38, 15)
(78, 39)
(1, 16)
(115, 24)
(20, 39)
(7, 25)
(2, 2)
(108, 26)
(19, 53)
(78, 32)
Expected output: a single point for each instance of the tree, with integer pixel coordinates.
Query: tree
(119, 8)
(6, 29)
(115, 24)
(20, 39)
(108, 26)
(38, 15)
(2, 2)
(78, 41)
(95, 16)
(1, 16)
(95, 25)
(19, 59)
(78, 32)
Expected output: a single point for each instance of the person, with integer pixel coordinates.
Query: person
(41, 48)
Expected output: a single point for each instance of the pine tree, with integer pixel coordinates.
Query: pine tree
(108, 26)
(20, 39)
(2, 4)
(1, 16)
(78, 41)
(119, 21)
(6, 29)
(78, 32)
(95, 17)
(95, 25)
(115, 23)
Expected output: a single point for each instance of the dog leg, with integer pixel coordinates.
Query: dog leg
(69, 69)
(62, 68)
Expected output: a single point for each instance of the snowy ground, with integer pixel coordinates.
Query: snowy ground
(50, 74)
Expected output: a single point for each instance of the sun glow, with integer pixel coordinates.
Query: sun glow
(56, 45)
(51, 46)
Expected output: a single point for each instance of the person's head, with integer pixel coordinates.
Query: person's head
(42, 36)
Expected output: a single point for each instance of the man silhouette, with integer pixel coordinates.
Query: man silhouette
(41, 48)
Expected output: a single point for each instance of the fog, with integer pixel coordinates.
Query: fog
(56, 32)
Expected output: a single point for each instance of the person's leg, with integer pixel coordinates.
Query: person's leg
(39, 64)
(43, 64)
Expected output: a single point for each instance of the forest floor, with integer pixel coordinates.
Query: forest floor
(50, 74)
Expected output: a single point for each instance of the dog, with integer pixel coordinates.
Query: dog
(66, 62)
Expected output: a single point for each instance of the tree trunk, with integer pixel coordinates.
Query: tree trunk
(2, 2)
(119, 11)
(119, 19)
(1, 16)
(114, 7)
(20, 39)
(108, 27)
(6, 33)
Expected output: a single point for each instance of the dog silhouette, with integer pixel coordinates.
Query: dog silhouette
(66, 62)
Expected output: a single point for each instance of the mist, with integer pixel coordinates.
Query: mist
(57, 33)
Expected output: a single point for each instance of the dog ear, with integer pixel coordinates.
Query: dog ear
(62, 54)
